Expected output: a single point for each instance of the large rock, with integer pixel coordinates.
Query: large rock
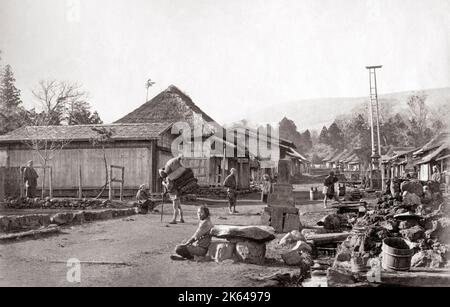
(330, 222)
(412, 186)
(301, 259)
(291, 222)
(62, 218)
(20, 222)
(302, 246)
(427, 258)
(225, 251)
(78, 218)
(291, 257)
(251, 252)
(259, 234)
(414, 233)
(411, 199)
(292, 237)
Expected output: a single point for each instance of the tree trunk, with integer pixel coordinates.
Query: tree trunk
(106, 173)
(43, 179)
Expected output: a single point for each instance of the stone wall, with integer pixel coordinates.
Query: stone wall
(17, 223)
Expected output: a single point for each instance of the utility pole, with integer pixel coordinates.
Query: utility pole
(374, 117)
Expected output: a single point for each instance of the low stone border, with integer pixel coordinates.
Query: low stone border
(12, 223)
(31, 233)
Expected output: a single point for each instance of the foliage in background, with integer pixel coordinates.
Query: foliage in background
(59, 103)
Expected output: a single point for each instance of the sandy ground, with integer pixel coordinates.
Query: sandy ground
(142, 243)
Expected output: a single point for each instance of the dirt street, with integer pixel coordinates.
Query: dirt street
(140, 244)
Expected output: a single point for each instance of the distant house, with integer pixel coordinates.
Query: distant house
(285, 150)
(398, 161)
(352, 162)
(326, 161)
(435, 153)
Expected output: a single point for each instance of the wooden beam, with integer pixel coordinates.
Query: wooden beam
(416, 277)
(80, 189)
(110, 193)
(154, 158)
(327, 238)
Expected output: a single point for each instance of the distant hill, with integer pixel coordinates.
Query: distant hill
(315, 113)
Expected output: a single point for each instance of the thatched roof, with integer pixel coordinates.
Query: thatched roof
(171, 105)
(437, 141)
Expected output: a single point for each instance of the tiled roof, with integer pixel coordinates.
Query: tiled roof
(85, 132)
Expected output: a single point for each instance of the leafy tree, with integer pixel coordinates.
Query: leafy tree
(323, 137)
(12, 114)
(79, 113)
(320, 151)
(394, 131)
(307, 140)
(288, 130)
(335, 136)
(419, 131)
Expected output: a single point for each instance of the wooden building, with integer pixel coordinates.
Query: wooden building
(73, 150)
(435, 153)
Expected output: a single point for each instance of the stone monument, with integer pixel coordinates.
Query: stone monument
(280, 212)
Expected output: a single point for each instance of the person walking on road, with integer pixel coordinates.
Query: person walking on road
(329, 190)
(174, 194)
(231, 184)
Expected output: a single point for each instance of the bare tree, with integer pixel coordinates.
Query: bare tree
(57, 99)
(104, 136)
(47, 149)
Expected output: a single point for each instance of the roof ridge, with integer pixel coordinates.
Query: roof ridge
(94, 125)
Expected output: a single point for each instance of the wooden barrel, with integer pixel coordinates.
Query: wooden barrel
(396, 254)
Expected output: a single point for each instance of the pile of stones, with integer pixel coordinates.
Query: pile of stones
(422, 219)
(62, 203)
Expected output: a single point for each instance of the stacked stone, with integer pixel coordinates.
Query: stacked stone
(220, 192)
(240, 243)
(14, 223)
(281, 213)
(64, 203)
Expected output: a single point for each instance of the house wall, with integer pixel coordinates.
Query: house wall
(3, 157)
(424, 172)
(135, 157)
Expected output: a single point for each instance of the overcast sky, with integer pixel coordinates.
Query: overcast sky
(229, 55)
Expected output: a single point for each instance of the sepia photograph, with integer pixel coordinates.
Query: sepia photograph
(203, 145)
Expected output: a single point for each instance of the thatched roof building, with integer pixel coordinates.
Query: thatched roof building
(171, 105)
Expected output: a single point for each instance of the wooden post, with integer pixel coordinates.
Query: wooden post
(110, 184)
(121, 184)
(21, 183)
(80, 190)
(51, 183)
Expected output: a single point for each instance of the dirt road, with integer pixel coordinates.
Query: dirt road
(141, 246)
